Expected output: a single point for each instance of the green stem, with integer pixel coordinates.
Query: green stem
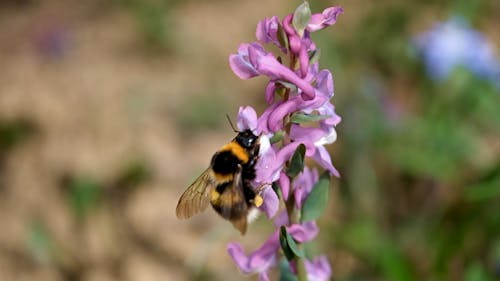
(301, 268)
(294, 218)
(293, 214)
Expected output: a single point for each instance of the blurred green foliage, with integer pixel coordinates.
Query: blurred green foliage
(203, 113)
(40, 242)
(134, 173)
(420, 160)
(153, 21)
(84, 194)
(13, 132)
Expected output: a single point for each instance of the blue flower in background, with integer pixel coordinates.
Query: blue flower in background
(453, 43)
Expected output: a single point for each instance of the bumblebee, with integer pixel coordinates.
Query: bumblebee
(226, 184)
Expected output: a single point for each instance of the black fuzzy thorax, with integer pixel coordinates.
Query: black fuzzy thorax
(225, 162)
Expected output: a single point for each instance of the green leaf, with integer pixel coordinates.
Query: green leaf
(314, 56)
(282, 37)
(297, 162)
(300, 118)
(277, 189)
(293, 245)
(301, 18)
(288, 244)
(286, 273)
(284, 244)
(316, 202)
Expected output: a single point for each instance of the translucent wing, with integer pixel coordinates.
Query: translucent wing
(196, 197)
(234, 199)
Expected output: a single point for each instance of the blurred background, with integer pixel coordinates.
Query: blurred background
(109, 110)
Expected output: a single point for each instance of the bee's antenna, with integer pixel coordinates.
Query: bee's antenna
(231, 123)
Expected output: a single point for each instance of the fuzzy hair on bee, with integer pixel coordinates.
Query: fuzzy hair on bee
(226, 184)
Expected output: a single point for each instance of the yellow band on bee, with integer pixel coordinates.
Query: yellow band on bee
(223, 177)
(214, 196)
(237, 150)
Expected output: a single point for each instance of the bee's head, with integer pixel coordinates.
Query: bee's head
(246, 139)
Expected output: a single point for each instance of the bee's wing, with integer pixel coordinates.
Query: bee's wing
(237, 200)
(196, 197)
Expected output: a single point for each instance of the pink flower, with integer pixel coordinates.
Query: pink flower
(252, 60)
(267, 31)
(318, 269)
(326, 18)
(307, 100)
(266, 257)
(303, 185)
(247, 119)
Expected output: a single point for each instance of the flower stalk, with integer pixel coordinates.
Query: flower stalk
(297, 124)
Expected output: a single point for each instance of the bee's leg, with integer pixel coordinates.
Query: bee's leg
(258, 200)
(261, 187)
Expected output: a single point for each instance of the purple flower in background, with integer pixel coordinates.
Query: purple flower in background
(454, 43)
(52, 40)
(299, 122)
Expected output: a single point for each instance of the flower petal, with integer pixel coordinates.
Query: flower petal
(307, 134)
(238, 255)
(247, 119)
(322, 157)
(241, 65)
(258, 261)
(268, 167)
(324, 81)
(271, 202)
(303, 185)
(270, 89)
(268, 65)
(319, 269)
(284, 185)
(304, 61)
(263, 276)
(262, 123)
(281, 219)
(328, 138)
(304, 232)
(267, 31)
(275, 120)
(325, 19)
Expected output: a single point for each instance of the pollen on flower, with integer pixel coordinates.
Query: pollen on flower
(258, 201)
